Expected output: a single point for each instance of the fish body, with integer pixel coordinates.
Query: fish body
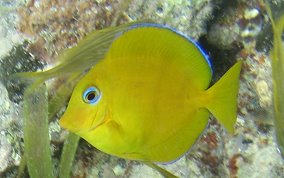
(149, 98)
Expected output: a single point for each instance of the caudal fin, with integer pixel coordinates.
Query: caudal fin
(223, 97)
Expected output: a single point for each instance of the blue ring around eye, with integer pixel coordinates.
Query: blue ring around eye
(91, 95)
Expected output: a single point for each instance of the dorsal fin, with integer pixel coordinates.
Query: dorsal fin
(147, 40)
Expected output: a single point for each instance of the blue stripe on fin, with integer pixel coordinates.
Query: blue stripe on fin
(196, 44)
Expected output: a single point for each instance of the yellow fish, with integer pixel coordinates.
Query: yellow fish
(149, 98)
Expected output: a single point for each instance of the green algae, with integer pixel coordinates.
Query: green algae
(38, 111)
(36, 136)
(63, 92)
(36, 124)
(277, 55)
(68, 154)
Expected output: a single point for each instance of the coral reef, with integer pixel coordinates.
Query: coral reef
(236, 30)
(241, 26)
(10, 134)
(8, 34)
(56, 25)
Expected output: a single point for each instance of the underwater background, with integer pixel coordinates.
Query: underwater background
(33, 33)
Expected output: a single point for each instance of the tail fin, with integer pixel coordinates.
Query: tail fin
(223, 97)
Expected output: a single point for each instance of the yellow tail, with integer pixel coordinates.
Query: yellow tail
(223, 97)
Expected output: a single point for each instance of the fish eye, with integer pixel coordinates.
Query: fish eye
(91, 95)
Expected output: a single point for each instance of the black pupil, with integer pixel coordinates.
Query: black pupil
(91, 96)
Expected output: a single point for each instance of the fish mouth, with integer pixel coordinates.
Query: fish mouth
(73, 128)
(100, 118)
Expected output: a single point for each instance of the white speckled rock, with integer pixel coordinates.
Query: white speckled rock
(4, 100)
(5, 152)
(8, 136)
(265, 162)
(8, 34)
